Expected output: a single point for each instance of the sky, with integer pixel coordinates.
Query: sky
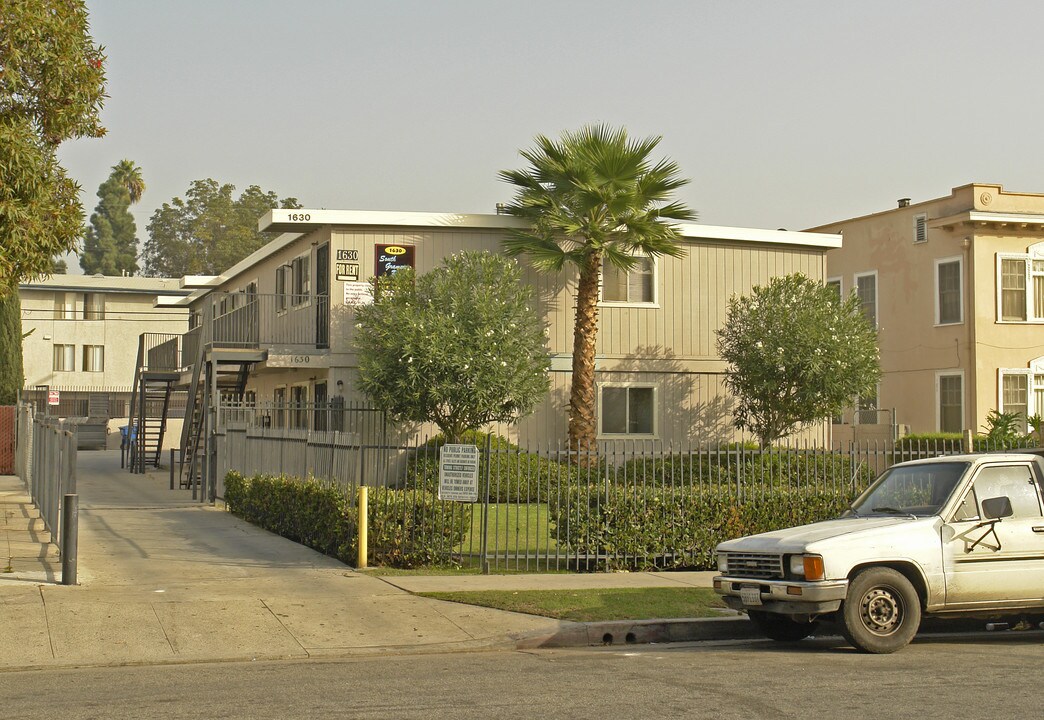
(782, 114)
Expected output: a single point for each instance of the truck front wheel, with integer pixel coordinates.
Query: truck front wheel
(780, 627)
(882, 611)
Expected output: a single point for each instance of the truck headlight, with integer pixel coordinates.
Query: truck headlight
(809, 567)
(723, 563)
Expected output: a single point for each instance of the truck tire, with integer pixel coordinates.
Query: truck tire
(780, 627)
(882, 611)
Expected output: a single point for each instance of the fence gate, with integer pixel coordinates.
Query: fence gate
(7, 439)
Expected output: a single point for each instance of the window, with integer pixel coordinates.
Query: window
(93, 306)
(64, 358)
(866, 290)
(866, 410)
(949, 307)
(280, 286)
(1013, 481)
(1015, 394)
(1020, 288)
(950, 393)
(64, 306)
(835, 285)
(93, 358)
(627, 410)
(301, 280)
(279, 405)
(920, 228)
(629, 286)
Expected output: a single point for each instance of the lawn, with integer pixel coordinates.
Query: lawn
(597, 605)
(524, 526)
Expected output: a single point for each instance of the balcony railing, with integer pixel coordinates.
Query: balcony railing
(249, 322)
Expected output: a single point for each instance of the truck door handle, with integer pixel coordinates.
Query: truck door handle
(1038, 528)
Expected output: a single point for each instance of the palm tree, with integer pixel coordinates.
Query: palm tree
(129, 175)
(593, 197)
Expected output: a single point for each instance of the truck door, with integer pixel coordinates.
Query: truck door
(996, 561)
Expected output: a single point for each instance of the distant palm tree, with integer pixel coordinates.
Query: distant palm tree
(593, 197)
(129, 175)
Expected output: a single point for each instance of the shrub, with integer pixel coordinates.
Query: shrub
(636, 528)
(406, 528)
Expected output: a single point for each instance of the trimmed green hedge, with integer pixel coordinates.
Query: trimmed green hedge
(639, 528)
(406, 528)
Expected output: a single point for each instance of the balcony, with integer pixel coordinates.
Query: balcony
(269, 324)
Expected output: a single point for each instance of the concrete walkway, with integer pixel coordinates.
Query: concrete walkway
(165, 579)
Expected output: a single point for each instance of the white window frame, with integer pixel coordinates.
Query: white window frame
(920, 223)
(939, 375)
(840, 282)
(960, 290)
(1034, 253)
(1035, 368)
(655, 409)
(877, 293)
(653, 303)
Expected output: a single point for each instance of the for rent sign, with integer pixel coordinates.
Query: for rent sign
(458, 473)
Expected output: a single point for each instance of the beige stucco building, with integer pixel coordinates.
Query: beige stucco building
(956, 286)
(84, 330)
(277, 328)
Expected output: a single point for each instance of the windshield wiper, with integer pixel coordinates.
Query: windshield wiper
(893, 511)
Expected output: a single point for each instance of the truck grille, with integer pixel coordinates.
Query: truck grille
(754, 565)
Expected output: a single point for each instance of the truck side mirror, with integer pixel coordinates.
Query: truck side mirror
(996, 508)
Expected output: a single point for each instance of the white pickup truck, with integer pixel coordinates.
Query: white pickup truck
(951, 536)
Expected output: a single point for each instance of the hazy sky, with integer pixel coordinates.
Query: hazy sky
(784, 114)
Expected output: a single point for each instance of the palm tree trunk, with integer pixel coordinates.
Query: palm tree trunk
(583, 425)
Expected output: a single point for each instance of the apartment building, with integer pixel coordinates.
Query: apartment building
(956, 287)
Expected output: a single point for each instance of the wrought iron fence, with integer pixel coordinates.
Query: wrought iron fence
(46, 462)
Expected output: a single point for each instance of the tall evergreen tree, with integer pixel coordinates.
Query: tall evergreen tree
(11, 376)
(110, 244)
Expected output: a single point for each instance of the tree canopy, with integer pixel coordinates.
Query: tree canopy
(797, 354)
(460, 346)
(209, 231)
(110, 243)
(594, 197)
(52, 86)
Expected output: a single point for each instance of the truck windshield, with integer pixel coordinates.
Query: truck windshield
(910, 490)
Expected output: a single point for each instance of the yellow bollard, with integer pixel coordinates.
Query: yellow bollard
(361, 560)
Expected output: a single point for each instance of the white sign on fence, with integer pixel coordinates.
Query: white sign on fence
(458, 473)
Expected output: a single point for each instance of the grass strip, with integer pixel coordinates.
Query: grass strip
(596, 605)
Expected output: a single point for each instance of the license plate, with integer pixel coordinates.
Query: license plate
(750, 595)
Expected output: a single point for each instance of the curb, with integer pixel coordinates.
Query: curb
(638, 632)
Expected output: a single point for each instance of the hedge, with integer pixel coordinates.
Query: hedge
(406, 528)
(638, 528)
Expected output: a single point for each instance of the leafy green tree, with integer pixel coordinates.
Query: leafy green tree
(593, 197)
(460, 346)
(110, 243)
(52, 85)
(797, 354)
(209, 231)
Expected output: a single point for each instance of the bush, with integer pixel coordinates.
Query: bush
(407, 528)
(735, 467)
(636, 528)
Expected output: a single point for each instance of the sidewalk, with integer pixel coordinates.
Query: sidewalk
(165, 579)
